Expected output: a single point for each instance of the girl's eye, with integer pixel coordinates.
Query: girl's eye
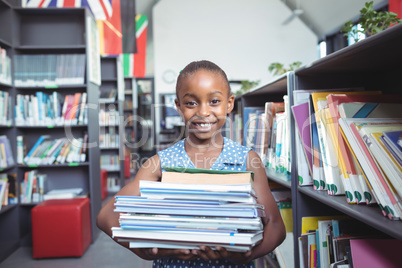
(215, 101)
(191, 103)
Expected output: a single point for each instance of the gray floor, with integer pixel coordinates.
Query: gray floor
(104, 252)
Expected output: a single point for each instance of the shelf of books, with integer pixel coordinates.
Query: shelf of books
(264, 122)
(111, 136)
(44, 114)
(130, 125)
(347, 113)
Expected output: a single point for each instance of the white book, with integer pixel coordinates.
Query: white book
(250, 239)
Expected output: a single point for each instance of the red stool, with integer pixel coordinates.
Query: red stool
(104, 191)
(61, 228)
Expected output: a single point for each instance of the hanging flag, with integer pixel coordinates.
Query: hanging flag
(110, 35)
(134, 64)
(101, 9)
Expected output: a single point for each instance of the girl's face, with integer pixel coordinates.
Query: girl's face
(204, 101)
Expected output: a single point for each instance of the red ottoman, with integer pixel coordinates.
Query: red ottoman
(61, 228)
(104, 191)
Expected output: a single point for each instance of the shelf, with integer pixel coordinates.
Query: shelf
(109, 79)
(50, 87)
(278, 177)
(7, 168)
(4, 209)
(5, 126)
(83, 164)
(370, 215)
(5, 85)
(368, 55)
(4, 43)
(47, 127)
(109, 148)
(47, 49)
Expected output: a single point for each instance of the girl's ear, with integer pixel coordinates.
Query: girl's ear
(230, 104)
(178, 107)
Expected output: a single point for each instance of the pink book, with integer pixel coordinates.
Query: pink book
(376, 253)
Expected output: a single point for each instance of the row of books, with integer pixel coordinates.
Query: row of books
(44, 109)
(5, 67)
(342, 147)
(6, 154)
(108, 117)
(49, 70)
(110, 162)
(187, 214)
(48, 151)
(340, 241)
(33, 189)
(265, 130)
(107, 96)
(8, 189)
(5, 108)
(113, 184)
(108, 138)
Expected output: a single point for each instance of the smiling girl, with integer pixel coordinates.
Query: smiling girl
(203, 100)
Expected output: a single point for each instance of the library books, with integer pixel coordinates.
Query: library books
(6, 154)
(49, 70)
(108, 96)
(3, 189)
(62, 193)
(32, 187)
(184, 218)
(5, 67)
(5, 108)
(47, 151)
(359, 144)
(42, 109)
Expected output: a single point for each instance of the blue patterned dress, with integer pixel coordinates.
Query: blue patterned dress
(232, 157)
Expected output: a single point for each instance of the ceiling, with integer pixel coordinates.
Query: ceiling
(321, 16)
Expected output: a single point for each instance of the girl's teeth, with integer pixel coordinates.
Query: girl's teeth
(204, 125)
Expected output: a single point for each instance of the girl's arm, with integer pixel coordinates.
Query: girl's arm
(274, 228)
(107, 218)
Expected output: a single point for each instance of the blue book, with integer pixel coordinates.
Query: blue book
(394, 141)
(36, 146)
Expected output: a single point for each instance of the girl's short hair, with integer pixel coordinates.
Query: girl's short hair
(194, 66)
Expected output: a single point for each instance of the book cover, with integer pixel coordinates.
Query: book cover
(249, 123)
(376, 253)
(394, 140)
(35, 147)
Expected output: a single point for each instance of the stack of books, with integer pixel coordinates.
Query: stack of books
(188, 214)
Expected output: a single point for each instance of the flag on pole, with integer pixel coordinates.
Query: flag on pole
(134, 64)
(101, 9)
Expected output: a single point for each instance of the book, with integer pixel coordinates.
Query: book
(62, 193)
(35, 147)
(394, 141)
(3, 186)
(205, 176)
(7, 154)
(197, 238)
(249, 121)
(376, 252)
(303, 143)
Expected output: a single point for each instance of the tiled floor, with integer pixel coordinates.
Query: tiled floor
(104, 252)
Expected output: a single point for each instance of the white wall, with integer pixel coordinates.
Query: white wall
(242, 36)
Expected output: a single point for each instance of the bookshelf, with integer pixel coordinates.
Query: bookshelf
(140, 120)
(372, 64)
(46, 32)
(111, 121)
(130, 123)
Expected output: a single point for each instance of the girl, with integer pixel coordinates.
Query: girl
(203, 100)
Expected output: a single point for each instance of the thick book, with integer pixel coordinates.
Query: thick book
(197, 238)
(205, 176)
(394, 141)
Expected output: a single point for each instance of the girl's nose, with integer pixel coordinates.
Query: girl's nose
(204, 110)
